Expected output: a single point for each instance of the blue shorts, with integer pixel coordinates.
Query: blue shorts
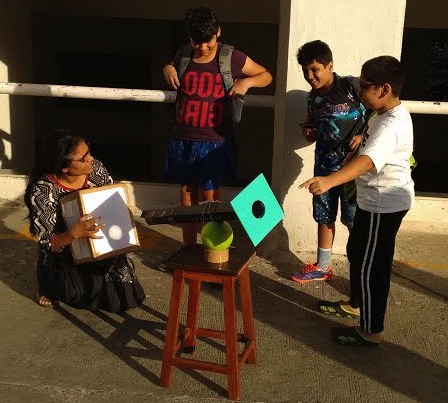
(207, 164)
(325, 206)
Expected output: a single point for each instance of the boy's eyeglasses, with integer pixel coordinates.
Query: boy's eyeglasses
(83, 158)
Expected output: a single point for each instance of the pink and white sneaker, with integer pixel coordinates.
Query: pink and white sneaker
(311, 272)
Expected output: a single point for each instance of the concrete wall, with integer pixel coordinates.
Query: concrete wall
(153, 196)
(355, 33)
(16, 113)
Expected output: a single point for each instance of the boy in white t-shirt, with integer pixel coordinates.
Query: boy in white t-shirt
(385, 192)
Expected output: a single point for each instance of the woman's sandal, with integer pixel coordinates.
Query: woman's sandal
(45, 302)
(350, 336)
(336, 309)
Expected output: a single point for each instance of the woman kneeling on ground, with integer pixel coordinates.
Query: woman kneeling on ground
(109, 284)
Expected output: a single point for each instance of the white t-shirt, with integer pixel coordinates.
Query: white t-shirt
(388, 186)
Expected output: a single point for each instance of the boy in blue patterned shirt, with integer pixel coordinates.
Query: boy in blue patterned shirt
(335, 119)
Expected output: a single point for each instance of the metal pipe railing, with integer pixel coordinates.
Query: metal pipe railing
(140, 95)
(113, 94)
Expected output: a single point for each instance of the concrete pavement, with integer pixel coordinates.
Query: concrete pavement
(67, 355)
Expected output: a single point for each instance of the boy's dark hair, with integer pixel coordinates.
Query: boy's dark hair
(314, 51)
(201, 24)
(384, 69)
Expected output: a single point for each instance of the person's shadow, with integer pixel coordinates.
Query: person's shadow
(125, 335)
(5, 162)
(279, 306)
(18, 259)
(275, 247)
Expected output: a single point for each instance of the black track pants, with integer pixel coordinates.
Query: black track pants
(370, 251)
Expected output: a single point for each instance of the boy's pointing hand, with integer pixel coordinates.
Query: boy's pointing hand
(316, 185)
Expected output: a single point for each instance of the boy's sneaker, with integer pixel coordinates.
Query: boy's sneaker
(311, 272)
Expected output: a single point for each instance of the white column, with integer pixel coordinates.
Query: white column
(355, 31)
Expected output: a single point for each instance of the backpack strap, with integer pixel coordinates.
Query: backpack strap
(187, 53)
(225, 65)
(344, 83)
(352, 94)
(311, 100)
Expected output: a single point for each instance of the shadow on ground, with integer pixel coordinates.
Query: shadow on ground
(278, 305)
(424, 282)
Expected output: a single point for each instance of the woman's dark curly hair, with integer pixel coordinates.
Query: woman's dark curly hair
(58, 150)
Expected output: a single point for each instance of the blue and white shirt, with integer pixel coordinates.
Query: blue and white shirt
(336, 116)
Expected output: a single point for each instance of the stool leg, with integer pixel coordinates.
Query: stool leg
(192, 323)
(247, 312)
(231, 338)
(172, 329)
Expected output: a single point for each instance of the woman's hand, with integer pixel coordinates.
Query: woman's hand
(86, 227)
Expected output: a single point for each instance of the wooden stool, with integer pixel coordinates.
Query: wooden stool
(189, 264)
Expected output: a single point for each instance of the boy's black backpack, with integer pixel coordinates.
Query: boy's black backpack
(334, 143)
(225, 69)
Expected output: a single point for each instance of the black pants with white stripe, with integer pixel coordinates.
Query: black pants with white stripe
(370, 251)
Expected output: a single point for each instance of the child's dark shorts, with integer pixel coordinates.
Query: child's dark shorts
(325, 206)
(203, 163)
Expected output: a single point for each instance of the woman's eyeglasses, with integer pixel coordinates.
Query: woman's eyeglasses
(83, 158)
